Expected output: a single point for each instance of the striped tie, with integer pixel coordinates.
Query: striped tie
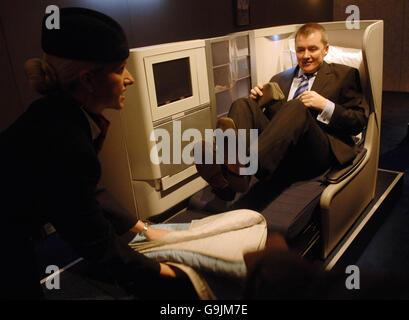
(303, 84)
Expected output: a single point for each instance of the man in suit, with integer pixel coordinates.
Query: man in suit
(306, 132)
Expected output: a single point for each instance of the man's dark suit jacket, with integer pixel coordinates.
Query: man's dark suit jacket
(49, 173)
(340, 84)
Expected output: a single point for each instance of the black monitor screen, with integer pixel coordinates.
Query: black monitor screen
(172, 80)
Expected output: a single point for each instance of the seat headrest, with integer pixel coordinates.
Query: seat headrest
(349, 56)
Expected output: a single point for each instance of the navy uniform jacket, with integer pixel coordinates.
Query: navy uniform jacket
(49, 173)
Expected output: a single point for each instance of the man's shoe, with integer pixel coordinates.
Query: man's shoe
(212, 173)
(225, 179)
(236, 181)
(225, 194)
(224, 124)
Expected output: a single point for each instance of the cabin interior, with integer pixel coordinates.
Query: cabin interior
(352, 215)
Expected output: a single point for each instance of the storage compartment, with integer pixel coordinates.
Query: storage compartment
(224, 100)
(222, 78)
(199, 120)
(241, 68)
(240, 46)
(242, 88)
(220, 53)
(230, 70)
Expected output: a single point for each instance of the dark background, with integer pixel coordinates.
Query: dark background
(149, 22)
(146, 22)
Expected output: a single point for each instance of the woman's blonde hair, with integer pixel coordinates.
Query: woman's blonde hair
(52, 74)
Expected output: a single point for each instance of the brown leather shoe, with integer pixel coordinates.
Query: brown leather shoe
(212, 173)
(224, 124)
(225, 179)
(236, 181)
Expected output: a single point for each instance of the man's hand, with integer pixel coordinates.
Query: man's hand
(311, 99)
(256, 92)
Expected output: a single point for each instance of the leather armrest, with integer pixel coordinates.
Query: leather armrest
(337, 174)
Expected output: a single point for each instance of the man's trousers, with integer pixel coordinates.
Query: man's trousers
(291, 141)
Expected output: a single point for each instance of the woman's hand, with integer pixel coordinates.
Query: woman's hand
(156, 234)
(151, 233)
(168, 271)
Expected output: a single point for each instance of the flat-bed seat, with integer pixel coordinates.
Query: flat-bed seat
(288, 211)
(292, 211)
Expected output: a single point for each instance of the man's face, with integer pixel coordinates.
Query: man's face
(310, 52)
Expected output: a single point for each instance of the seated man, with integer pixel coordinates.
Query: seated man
(307, 132)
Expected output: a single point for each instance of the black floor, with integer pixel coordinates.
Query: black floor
(383, 245)
(388, 250)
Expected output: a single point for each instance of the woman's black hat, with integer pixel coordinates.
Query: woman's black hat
(86, 35)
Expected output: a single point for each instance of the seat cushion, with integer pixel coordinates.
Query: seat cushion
(291, 211)
(286, 210)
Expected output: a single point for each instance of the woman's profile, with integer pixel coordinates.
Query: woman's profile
(49, 164)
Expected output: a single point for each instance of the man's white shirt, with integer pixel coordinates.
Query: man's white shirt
(325, 115)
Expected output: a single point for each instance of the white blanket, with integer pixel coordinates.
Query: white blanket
(215, 243)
